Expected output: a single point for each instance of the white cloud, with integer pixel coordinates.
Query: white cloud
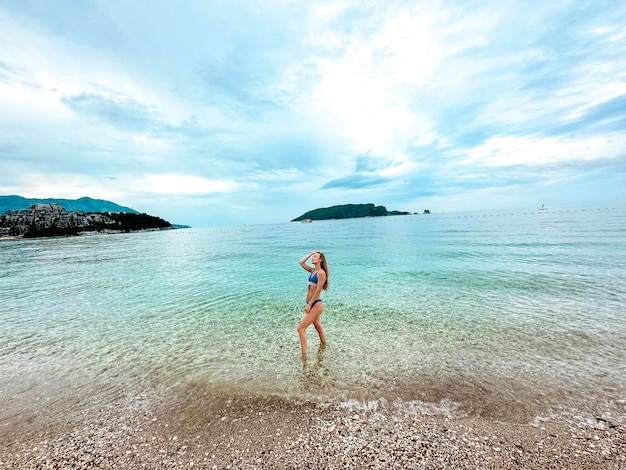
(101, 100)
(366, 83)
(64, 185)
(601, 94)
(184, 185)
(529, 150)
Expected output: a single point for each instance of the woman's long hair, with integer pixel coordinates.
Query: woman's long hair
(324, 265)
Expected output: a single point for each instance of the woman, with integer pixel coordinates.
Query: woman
(318, 280)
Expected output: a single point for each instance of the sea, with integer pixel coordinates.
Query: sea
(515, 315)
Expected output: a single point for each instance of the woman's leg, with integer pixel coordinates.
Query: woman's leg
(320, 329)
(310, 318)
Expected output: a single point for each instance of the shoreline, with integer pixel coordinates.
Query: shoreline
(85, 233)
(222, 430)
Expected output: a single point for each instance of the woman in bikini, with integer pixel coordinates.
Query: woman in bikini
(318, 280)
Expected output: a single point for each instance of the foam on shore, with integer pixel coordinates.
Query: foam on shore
(220, 430)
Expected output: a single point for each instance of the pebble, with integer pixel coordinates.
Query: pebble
(310, 437)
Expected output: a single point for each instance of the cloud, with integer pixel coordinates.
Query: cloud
(357, 181)
(34, 184)
(607, 112)
(184, 185)
(534, 151)
(372, 170)
(113, 109)
(200, 107)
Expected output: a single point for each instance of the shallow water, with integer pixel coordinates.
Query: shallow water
(508, 315)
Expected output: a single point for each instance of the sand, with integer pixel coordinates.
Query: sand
(221, 430)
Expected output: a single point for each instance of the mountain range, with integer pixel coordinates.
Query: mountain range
(85, 204)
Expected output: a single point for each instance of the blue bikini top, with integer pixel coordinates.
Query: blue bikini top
(313, 278)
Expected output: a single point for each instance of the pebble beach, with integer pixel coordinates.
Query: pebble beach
(492, 348)
(226, 431)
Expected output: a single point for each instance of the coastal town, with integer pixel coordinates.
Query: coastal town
(53, 220)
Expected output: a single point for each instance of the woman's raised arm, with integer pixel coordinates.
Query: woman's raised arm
(305, 259)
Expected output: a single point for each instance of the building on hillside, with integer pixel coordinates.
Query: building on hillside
(46, 216)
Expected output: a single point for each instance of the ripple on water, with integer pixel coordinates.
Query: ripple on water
(500, 315)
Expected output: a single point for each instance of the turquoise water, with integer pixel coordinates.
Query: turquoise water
(504, 314)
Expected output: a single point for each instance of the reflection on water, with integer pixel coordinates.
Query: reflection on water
(316, 376)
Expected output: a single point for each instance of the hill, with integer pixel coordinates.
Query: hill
(52, 220)
(85, 204)
(348, 211)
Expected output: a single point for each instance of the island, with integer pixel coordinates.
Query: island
(347, 211)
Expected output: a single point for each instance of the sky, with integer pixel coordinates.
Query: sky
(220, 113)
